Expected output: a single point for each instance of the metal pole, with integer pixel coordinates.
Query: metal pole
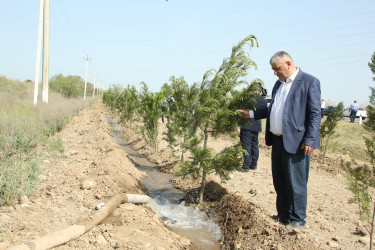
(39, 45)
(87, 67)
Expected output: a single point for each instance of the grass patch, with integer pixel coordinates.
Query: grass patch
(26, 135)
(18, 176)
(349, 141)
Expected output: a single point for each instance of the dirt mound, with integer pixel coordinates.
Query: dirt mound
(242, 224)
(212, 193)
(244, 227)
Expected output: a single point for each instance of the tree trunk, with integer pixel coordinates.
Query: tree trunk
(182, 149)
(203, 183)
(372, 227)
(203, 186)
(205, 136)
(182, 156)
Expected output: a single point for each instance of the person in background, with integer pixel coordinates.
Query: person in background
(353, 111)
(249, 135)
(322, 107)
(292, 128)
(165, 110)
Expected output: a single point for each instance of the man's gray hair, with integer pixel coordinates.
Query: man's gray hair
(280, 55)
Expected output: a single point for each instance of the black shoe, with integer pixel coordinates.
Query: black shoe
(296, 225)
(284, 221)
(253, 167)
(245, 169)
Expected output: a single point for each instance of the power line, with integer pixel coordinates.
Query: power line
(148, 40)
(324, 38)
(69, 24)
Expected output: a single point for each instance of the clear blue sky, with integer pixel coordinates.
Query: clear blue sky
(134, 41)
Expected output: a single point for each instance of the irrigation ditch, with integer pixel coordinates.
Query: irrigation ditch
(167, 201)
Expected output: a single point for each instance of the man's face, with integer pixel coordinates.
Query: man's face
(281, 69)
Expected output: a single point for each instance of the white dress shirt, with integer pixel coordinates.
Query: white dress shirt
(354, 106)
(276, 116)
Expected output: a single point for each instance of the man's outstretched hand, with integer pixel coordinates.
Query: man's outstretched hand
(245, 113)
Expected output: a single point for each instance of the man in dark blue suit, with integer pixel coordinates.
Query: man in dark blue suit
(292, 128)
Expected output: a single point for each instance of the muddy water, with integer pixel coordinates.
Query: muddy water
(184, 220)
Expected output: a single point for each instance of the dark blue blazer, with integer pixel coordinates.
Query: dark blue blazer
(255, 125)
(301, 115)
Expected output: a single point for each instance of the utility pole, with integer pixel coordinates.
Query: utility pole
(99, 87)
(39, 45)
(93, 92)
(45, 51)
(87, 66)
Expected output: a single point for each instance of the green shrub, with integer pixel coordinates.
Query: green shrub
(150, 112)
(18, 176)
(328, 127)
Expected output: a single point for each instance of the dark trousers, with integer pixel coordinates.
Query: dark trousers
(290, 174)
(250, 143)
(321, 112)
(353, 114)
(162, 118)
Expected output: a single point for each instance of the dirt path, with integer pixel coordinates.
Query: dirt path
(244, 213)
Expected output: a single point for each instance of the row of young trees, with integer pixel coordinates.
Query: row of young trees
(195, 112)
(360, 178)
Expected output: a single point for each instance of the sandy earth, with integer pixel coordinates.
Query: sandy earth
(243, 210)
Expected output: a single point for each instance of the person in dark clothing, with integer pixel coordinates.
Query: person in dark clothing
(249, 135)
(353, 111)
(322, 107)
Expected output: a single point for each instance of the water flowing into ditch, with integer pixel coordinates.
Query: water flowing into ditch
(187, 221)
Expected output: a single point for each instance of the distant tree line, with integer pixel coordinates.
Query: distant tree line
(70, 86)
